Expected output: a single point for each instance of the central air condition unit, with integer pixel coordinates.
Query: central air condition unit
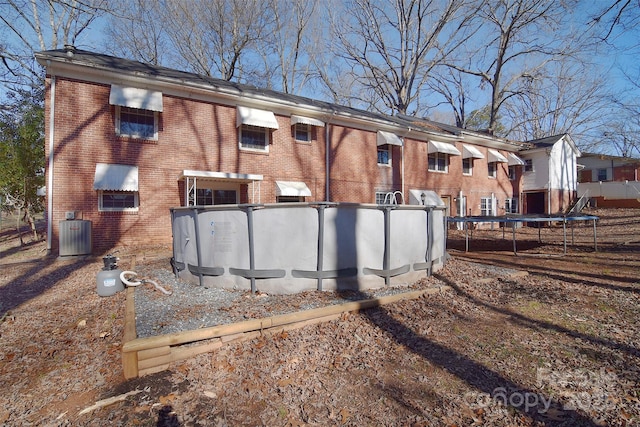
(75, 238)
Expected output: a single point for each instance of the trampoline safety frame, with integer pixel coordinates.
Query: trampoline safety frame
(513, 220)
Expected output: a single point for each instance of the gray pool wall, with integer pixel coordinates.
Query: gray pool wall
(274, 248)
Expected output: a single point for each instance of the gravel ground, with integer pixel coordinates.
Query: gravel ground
(191, 307)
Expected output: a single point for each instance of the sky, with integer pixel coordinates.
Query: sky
(616, 59)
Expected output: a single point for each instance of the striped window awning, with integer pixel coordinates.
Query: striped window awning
(306, 121)
(133, 97)
(384, 138)
(255, 117)
(515, 160)
(442, 147)
(469, 151)
(292, 188)
(496, 157)
(109, 177)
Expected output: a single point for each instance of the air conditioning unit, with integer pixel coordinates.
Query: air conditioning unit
(75, 237)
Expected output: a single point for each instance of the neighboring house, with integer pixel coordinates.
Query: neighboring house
(126, 141)
(549, 182)
(609, 181)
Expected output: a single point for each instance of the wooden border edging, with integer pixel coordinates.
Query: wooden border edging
(142, 356)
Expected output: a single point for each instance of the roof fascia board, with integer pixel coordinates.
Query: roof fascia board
(210, 93)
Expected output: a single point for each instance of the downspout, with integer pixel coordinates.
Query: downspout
(402, 154)
(50, 173)
(327, 150)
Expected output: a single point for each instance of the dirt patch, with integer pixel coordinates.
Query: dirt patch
(558, 346)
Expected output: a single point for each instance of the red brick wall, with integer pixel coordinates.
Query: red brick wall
(626, 173)
(203, 136)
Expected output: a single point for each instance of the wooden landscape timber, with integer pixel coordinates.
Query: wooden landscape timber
(144, 356)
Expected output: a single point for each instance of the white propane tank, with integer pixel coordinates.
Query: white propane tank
(108, 279)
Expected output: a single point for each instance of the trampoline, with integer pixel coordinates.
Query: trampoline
(514, 219)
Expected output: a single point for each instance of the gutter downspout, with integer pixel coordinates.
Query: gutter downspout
(327, 150)
(50, 173)
(402, 154)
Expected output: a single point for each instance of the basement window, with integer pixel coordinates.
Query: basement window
(118, 201)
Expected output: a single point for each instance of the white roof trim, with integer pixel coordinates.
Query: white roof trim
(495, 156)
(384, 138)
(442, 147)
(515, 160)
(133, 97)
(469, 151)
(292, 188)
(219, 176)
(255, 117)
(306, 121)
(115, 177)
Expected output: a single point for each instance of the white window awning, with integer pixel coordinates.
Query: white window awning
(515, 160)
(496, 157)
(241, 178)
(133, 97)
(292, 188)
(425, 198)
(469, 151)
(115, 177)
(255, 117)
(384, 138)
(442, 147)
(306, 121)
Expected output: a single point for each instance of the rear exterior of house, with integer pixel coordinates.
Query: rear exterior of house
(549, 177)
(125, 142)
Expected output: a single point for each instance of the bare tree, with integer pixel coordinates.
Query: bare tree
(454, 89)
(213, 37)
(29, 26)
(570, 98)
(519, 38)
(287, 47)
(391, 47)
(616, 17)
(137, 31)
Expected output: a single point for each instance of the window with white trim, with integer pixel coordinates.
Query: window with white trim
(136, 123)
(438, 162)
(511, 205)
(512, 173)
(384, 154)
(117, 201)
(303, 132)
(493, 169)
(528, 165)
(254, 138)
(209, 196)
(602, 174)
(486, 206)
(467, 166)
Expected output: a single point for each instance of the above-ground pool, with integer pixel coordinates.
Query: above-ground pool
(293, 247)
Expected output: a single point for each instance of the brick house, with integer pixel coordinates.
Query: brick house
(126, 141)
(610, 181)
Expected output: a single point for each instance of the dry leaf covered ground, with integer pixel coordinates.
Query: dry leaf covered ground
(557, 346)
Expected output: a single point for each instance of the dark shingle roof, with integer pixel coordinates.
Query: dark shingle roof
(136, 68)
